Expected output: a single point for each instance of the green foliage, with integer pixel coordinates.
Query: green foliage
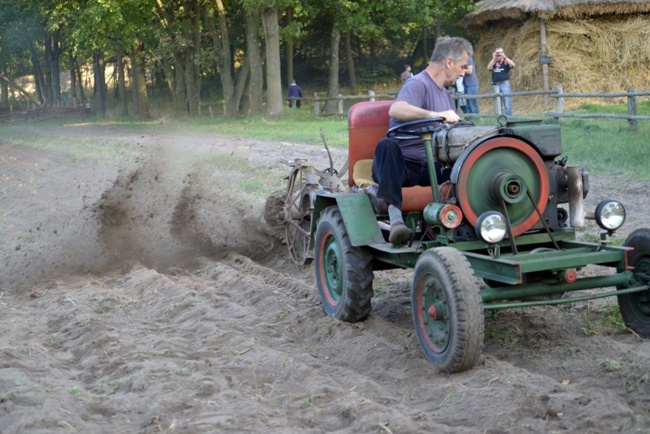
(384, 35)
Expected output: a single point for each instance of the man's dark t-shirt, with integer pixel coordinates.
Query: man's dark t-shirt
(421, 91)
(500, 72)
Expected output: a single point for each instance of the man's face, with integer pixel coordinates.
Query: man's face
(456, 69)
(499, 54)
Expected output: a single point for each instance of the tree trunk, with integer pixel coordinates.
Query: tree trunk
(288, 50)
(47, 74)
(274, 100)
(425, 55)
(4, 93)
(139, 84)
(121, 85)
(191, 27)
(82, 93)
(242, 79)
(55, 53)
(352, 73)
(253, 55)
(38, 77)
(331, 105)
(100, 81)
(179, 90)
(73, 82)
(221, 48)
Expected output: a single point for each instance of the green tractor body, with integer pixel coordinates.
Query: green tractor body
(508, 216)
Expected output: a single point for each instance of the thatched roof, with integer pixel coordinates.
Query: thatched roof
(494, 10)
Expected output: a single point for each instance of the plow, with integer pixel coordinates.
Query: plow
(501, 233)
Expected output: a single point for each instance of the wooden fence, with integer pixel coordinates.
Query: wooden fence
(317, 101)
(631, 116)
(9, 115)
(343, 102)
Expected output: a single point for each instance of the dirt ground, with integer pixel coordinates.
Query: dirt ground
(138, 295)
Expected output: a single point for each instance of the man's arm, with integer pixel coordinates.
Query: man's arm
(510, 62)
(403, 111)
(469, 69)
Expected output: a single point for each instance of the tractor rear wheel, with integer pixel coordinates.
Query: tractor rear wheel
(297, 215)
(447, 309)
(343, 272)
(635, 307)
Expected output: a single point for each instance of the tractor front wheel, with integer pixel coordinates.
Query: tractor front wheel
(343, 272)
(635, 307)
(447, 309)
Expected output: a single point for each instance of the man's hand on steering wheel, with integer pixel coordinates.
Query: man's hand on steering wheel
(449, 116)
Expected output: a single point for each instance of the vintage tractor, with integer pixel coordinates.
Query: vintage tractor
(498, 218)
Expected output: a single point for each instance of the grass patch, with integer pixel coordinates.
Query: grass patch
(295, 127)
(607, 147)
(81, 148)
(604, 322)
(602, 146)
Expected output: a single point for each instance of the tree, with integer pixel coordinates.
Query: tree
(238, 42)
(333, 78)
(221, 52)
(274, 100)
(253, 65)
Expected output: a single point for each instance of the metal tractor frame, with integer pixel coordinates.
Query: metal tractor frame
(498, 219)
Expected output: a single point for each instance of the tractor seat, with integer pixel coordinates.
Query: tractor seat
(367, 125)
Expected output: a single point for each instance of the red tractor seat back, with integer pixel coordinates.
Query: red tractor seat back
(367, 125)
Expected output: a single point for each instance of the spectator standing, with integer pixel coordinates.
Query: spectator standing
(470, 82)
(406, 74)
(500, 66)
(461, 103)
(294, 92)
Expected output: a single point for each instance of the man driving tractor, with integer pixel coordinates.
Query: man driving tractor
(400, 161)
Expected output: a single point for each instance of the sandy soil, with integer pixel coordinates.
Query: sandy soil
(139, 295)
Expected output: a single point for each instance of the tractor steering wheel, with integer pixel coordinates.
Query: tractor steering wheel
(416, 127)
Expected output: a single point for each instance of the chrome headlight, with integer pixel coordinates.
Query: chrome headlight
(491, 227)
(610, 214)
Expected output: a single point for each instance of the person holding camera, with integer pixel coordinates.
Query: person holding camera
(500, 65)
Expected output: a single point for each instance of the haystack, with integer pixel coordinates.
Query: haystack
(592, 46)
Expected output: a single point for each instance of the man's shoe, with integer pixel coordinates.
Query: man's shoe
(399, 233)
(377, 204)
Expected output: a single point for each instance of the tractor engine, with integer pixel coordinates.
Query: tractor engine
(511, 169)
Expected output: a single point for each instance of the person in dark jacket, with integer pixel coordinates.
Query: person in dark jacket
(294, 92)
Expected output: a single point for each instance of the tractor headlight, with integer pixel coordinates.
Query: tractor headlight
(610, 214)
(491, 227)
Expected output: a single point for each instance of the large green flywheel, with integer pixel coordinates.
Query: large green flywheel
(503, 170)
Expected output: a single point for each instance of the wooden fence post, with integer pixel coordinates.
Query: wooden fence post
(631, 107)
(372, 95)
(559, 102)
(340, 105)
(316, 104)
